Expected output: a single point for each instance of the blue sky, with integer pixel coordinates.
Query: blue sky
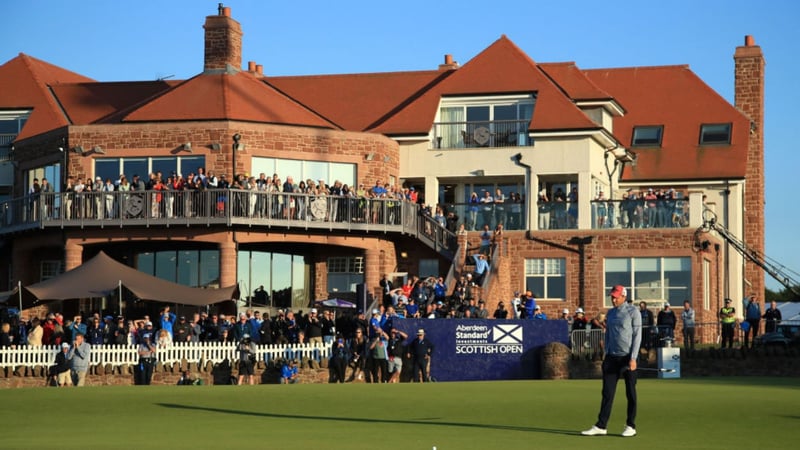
(145, 40)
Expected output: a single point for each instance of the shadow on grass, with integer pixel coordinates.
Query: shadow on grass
(425, 421)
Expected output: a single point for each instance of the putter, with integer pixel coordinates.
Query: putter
(648, 369)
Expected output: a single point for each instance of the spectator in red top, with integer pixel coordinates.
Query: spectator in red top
(48, 329)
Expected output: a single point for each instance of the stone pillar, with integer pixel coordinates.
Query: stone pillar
(73, 255)
(695, 209)
(227, 263)
(584, 201)
(374, 268)
(749, 99)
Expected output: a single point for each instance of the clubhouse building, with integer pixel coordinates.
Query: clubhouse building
(599, 177)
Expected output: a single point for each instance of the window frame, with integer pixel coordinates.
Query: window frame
(49, 268)
(546, 276)
(659, 128)
(703, 126)
(630, 283)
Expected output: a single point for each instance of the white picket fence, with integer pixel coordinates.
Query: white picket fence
(202, 352)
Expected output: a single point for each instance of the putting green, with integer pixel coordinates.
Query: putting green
(708, 413)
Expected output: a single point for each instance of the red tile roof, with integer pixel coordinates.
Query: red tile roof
(25, 82)
(479, 76)
(405, 103)
(356, 101)
(573, 81)
(226, 96)
(675, 97)
(86, 103)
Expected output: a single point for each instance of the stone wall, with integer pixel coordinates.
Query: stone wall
(559, 363)
(209, 373)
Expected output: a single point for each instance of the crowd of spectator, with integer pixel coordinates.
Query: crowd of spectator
(204, 194)
(653, 208)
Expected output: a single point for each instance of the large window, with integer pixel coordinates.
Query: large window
(344, 273)
(305, 170)
(651, 279)
(274, 279)
(106, 168)
(546, 278)
(11, 124)
(484, 122)
(195, 268)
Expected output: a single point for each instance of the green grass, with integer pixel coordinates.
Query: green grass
(708, 413)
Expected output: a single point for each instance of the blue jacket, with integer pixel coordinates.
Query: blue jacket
(287, 371)
(167, 320)
(752, 310)
(480, 264)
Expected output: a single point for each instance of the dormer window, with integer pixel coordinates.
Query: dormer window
(471, 122)
(647, 136)
(718, 133)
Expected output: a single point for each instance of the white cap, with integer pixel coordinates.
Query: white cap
(566, 311)
(579, 310)
(313, 310)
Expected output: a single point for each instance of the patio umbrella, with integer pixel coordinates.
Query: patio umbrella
(336, 303)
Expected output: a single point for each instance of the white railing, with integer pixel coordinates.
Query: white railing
(202, 352)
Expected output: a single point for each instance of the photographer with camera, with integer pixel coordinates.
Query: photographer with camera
(147, 360)
(358, 350)
(339, 356)
(247, 359)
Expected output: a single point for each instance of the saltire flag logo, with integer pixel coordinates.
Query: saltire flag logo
(507, 334)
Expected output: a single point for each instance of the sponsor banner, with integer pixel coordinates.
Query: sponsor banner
(472, 349)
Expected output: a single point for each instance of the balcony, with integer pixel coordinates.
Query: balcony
(498, 133)
(222, 207)
(639, 213)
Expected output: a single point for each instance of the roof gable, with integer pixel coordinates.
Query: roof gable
(86, 103)
(226, 96)
(502, 68)
(677, 98)
(24, 82)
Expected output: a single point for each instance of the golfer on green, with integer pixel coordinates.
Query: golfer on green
(623, 337)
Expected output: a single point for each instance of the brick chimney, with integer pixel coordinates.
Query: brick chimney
(449, 64)
(223, 39)
(749, 99)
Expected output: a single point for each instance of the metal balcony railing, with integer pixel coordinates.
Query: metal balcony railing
(640, 213)
(222, 207)
(497, 133)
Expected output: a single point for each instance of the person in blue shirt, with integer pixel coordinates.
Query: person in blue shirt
(622, 341)
(752, 314)
(167, 320)
(538, 314)
(486, 240)
(77, 327)
(481, 268)
(289, 373)
(440, 290)
(529, 304)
